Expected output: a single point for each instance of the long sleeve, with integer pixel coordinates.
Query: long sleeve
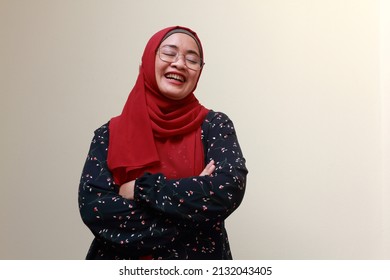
(202, 198)
(124, 224)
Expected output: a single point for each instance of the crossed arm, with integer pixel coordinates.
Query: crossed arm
(127, 190)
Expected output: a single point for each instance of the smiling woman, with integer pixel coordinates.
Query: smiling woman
(161, 178)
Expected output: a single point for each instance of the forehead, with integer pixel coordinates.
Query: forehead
(182, 41)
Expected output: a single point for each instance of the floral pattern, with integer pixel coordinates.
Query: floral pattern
(168, 219)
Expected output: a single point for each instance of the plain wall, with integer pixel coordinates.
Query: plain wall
(305, 82)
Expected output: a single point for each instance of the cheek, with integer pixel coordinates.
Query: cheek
(194, 79)
(156, 69)
(157, 66)
(158, 74)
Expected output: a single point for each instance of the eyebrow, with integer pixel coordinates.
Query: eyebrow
(176, 47)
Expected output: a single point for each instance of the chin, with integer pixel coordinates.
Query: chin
(174, 95)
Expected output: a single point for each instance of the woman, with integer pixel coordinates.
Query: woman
(161, 178)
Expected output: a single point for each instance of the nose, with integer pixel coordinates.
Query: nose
(180, 62)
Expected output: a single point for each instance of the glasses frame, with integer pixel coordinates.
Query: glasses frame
(176, 58)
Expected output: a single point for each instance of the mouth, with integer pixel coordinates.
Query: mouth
(176, 77)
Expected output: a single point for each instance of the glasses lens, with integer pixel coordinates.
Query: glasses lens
(170, 55)
(193, 61)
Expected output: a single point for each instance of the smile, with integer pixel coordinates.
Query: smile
(176, 77)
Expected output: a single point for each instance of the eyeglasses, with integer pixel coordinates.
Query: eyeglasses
(170, 54)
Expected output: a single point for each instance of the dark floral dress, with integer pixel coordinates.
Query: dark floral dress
(168, 219)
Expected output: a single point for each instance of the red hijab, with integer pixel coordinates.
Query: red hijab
(155, 133)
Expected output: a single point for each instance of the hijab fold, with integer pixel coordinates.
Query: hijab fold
(155, 133)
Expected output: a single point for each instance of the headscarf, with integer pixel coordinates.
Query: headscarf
(155, 133)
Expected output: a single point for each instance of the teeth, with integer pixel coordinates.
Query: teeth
(175, 77)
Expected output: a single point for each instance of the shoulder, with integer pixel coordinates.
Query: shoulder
(214, 117)
(216, 124)
(102, 132)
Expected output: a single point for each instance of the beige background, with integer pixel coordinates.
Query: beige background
(305, 82)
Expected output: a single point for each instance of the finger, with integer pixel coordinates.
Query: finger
(210, 170)
(210, 167)
(210, 164)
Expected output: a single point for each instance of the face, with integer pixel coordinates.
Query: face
(175, 80)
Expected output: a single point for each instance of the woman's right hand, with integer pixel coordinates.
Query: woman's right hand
(209, 169)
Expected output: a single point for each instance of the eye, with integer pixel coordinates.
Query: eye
(168, 52)
(193, 59)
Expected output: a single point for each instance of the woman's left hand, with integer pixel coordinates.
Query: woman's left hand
(127, 190)
(209, 169)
